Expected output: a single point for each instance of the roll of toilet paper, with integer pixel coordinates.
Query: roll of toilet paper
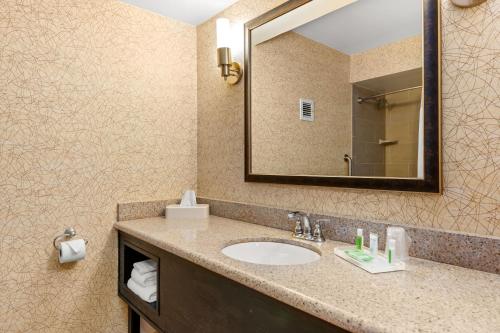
(72, 250)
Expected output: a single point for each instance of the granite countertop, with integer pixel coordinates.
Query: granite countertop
(428, 297)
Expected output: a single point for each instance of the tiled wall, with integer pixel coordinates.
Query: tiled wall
(286, 69)
(368, 126)
(96, 108)
(402, 116)
(470, 134)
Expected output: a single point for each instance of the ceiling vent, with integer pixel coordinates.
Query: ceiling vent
(306, 107)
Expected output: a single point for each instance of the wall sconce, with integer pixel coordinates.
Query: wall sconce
(230, 71)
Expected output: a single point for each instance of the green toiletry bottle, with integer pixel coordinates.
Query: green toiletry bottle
(391, 247)
(358, 241)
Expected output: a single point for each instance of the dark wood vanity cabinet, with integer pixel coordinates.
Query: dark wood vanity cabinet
(192, 299)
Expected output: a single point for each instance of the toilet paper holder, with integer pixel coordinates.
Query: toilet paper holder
(69, 232)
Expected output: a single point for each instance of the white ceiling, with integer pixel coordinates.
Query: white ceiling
(366, 24)
(189, 11)
(296, 18)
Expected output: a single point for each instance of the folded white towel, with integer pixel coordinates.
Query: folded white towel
(147, 294)
(145, 266)
(145, 280)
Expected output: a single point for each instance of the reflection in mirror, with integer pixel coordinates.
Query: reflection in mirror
(336, 90)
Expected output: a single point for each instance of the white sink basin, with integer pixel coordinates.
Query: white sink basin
(270, 253)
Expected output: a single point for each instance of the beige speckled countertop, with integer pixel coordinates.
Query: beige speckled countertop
(428, 297)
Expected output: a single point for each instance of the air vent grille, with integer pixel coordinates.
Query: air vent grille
(306, 107)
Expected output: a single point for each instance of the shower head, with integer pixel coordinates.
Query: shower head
(382, 103)
(379, 102)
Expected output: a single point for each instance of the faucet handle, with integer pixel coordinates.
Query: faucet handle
(298, 231)
(318, 234)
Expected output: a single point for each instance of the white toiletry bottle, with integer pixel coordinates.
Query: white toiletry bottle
(373, 244)
(391, 249)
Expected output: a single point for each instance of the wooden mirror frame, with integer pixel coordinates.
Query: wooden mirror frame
(432, 114)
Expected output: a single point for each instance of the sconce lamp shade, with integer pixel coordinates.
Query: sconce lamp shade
(223, 33)
(230, 71)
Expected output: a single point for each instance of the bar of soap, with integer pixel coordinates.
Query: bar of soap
(359, 255)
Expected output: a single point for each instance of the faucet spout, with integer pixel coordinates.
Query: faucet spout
(307, 227)
(303, 228)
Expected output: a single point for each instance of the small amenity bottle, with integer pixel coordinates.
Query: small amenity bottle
(373, 244)
(358, 241)
(391, 248)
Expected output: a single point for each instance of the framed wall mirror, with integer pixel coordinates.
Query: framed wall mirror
(344, 93)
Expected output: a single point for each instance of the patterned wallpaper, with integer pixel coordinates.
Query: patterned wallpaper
(96, 108)
(471, 150)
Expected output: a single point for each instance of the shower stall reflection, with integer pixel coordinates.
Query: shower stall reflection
(387, 126)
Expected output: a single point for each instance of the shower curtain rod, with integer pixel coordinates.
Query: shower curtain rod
(362, 99)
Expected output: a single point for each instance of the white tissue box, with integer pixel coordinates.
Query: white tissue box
(176, 212)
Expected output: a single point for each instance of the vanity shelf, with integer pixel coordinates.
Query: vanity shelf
(193, 299)
(129, 253)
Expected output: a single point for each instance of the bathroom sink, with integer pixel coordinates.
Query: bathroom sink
(270, 253)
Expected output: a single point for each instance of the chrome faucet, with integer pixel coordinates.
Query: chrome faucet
(306, 225)
(303, 228)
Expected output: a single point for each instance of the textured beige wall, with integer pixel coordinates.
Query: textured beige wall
(396, 57)
(281, 142)
(470, 134)
(96, 108)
